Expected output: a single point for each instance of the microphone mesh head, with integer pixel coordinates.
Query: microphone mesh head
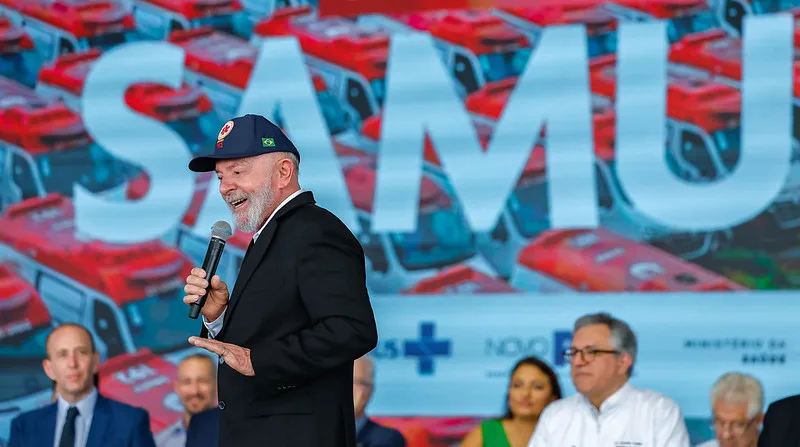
(221, 230)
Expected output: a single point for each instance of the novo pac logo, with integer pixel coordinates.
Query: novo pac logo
(424, 349)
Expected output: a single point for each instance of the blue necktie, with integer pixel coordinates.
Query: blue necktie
(68, 434)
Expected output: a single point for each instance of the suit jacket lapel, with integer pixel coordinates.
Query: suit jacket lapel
(258, 251)
(100, 420)
(47, 425)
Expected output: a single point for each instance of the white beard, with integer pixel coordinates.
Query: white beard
(250, 220)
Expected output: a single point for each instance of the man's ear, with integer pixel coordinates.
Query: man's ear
(47, 365)
(625, 361)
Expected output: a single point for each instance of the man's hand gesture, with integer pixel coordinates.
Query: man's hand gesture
(236, 357)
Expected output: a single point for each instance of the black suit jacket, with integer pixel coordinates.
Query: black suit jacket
(376, 435)
(781, 424)
(203, 430)
(300, 304)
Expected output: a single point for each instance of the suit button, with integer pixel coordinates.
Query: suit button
(221, 405)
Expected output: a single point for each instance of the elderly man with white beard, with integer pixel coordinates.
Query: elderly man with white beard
(299, 313)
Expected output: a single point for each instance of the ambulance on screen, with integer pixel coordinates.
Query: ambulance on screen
(129, 296)
(396, 261)
(601, 261)
(44, 148)
(460, 280)
(476, 47)
(185, 110)
(18, 58)
(221, 64)
(156, 19)
(66, 26)
(144, 380)
(351, 59)
(23, 329)
(601, 23)
(719, 56)
(704, 134)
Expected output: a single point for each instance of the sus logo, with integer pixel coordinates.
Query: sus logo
(226, 129)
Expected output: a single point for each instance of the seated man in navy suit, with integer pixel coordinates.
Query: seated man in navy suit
(196, 387)
(368, 432)
(80, 417)
(203, 429)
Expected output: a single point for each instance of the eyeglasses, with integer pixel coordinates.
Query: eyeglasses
(735, 427)
(588, 354)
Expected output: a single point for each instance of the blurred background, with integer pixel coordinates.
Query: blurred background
(456, 308)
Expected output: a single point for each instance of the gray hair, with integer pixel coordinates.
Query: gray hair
(366, 359)
(622, 337)
(295, 161)
(738, 388)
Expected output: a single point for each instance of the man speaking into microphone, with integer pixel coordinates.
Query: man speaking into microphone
(299, 313)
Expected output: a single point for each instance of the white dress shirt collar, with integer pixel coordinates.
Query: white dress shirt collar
(613, 401)
(285, 201)
(83, 422)
(85, 406)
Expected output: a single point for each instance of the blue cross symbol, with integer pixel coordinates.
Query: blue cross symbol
(427, 348)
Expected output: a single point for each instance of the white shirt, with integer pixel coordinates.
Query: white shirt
(83, 422)
(214, 327)
(711, 443)
(628, 418)
(172, 436)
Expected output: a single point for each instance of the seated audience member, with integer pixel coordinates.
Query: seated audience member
(203, 429)
(368, 432)
(197, 389)
(532, 387)
(608, 410)
(737, 403)
(781, 424)
(80, 417)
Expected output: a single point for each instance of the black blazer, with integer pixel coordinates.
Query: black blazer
(300, 304)
(203, 430)
(374, 434)
(781, 424)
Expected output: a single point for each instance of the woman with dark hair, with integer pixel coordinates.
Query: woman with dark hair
(532, 387)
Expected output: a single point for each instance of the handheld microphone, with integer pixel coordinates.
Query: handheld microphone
(220, 233)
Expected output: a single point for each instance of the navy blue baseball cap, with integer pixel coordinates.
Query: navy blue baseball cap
(244, 136)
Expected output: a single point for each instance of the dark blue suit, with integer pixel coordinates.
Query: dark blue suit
(114, 424)
(203, 429)
(376, 435)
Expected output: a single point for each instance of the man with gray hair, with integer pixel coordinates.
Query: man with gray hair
(737, 402)
(608, 410)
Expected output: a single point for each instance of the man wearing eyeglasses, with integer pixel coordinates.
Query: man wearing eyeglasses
(737, 402)
(608, 410)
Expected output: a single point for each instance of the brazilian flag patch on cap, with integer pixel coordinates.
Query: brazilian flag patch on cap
(268, 142)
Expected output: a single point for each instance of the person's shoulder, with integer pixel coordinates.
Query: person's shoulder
(122, 409)
(34, 415)
(561, 408)
(205, 416)
(315, 216)
(791, 403)
(316, 221)
(710, 443)
(656, 400)
(386, 433)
